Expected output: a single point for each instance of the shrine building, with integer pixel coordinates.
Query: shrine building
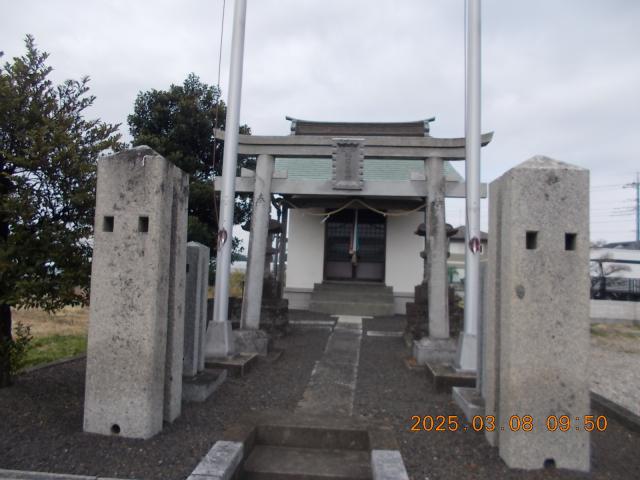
(353, 196)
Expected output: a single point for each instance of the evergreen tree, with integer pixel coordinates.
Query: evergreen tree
(178, 123)
(48, 154)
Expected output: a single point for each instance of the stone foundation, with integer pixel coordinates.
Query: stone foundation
(417, 314)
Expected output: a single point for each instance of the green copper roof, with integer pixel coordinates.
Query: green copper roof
(374, 169)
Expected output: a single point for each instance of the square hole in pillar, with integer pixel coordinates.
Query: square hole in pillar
(107, 223)
(532, 240)
(570, 240)
(143, 224)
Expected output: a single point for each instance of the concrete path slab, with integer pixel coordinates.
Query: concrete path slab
(332, 386)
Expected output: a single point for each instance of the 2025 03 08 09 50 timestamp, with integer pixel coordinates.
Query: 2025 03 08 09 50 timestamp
(516, 423)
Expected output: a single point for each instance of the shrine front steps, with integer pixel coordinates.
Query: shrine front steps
(268, 462)
(292, 446)
(352, 298)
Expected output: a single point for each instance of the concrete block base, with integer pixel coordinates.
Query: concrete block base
(469, 401)
(252, 341)
(222, 462)
(30, 475)
(467, 355)
(434, 350)
(201, 386)
(388, 465)
(445, 377)
(219, 340)
(236, 365)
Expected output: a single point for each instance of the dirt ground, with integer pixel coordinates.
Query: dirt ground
(615, 364)
(42, 420)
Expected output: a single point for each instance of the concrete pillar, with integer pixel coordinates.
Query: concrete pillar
(490, 352)
(177, 282)
(136, 300)
(252, 300)
(536, 363)
(195, 319)
(203, 271)
(436, 250)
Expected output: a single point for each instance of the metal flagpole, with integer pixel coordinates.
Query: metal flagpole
(229, 162)
(468, 347)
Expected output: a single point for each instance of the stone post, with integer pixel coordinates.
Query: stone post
(135, 327)
(195, 320)
(495, 260)
(252, 300)
(436, 250)
(177, 283)
(203, 271)
(537, 332)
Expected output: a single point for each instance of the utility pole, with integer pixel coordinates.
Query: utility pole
(636, 185)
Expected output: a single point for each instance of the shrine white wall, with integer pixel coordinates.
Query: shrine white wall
(403, 264)
(305, 259)
(305, 256)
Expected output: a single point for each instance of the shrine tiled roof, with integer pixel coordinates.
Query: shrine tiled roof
(374, 169)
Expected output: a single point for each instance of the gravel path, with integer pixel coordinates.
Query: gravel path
(387, 391)
(615, 365)
(42, 420)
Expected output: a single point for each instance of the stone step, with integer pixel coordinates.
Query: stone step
(289, 463)
(362, 297)
(336, 307)
(305, 435)
(360, 287)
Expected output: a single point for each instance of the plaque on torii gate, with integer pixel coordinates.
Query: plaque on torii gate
(347, 164)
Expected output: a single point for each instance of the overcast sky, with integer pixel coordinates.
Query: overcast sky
(560, 77)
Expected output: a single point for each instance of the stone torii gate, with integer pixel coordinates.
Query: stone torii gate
(349, 144)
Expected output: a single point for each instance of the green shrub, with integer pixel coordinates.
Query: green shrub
(17, 349)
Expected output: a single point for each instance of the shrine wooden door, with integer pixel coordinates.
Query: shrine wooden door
(355, 246)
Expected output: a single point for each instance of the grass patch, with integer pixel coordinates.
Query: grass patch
(616, 337)
(67, 321)
(598, 331)
(55, 347)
